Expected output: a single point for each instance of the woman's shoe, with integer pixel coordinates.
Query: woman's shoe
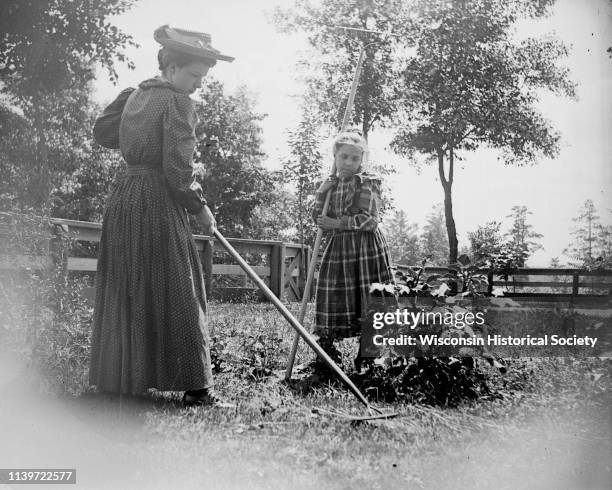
(204, 398)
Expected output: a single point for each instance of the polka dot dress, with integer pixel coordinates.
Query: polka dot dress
(150, 327)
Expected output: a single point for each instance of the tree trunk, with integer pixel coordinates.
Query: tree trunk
(453, 243)
(447, 185)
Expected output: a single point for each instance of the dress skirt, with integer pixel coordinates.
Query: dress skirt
(150, 323)
(351, 262)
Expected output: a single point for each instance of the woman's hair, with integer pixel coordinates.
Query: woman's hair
(167, 56)
(351, 136)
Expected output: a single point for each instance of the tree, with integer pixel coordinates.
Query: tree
(302, 169)
(403, 239)
(271, 219)
(583, 251)
(80, 170)
(469, 84)
(434, 244)
(486, 241)
(230, 157)
(521, 236)
(338, 51)
(82, 194)
(48, 47)
(604, 245)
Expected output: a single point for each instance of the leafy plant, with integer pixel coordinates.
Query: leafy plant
(416, 373)
(41, 304)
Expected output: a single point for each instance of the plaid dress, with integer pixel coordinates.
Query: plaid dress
(150, 326)
(356, 256)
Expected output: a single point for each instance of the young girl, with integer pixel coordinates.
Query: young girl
(357, 253)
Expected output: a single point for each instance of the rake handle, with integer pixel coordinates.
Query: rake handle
(300, 330)
(315, 252)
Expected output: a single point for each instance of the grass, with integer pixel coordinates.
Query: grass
(523, 427)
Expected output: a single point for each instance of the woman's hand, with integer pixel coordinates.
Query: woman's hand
(207, 221)
(327, 184)
(328, 223)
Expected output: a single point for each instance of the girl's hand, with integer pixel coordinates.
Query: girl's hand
(207, 221)
(328, 223)
(327, 185)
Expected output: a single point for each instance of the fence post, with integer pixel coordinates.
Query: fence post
(57, 249)
(575, 282)
(277, 270)
(207, 265)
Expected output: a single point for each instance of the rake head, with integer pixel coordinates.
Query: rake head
(374, 414)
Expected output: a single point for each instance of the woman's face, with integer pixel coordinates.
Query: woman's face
(348, 160)
(187, 78)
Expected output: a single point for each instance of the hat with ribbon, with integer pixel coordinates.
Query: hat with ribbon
(196, 44)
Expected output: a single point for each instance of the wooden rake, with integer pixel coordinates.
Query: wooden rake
(373, 412)
(315, 253)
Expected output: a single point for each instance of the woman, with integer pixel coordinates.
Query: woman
(357, 253)
(150, 327)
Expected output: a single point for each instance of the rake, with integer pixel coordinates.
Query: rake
(296, 323)
(315, 253)
(374, 413)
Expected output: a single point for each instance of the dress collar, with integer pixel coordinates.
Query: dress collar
(158, 82)
(362, 177)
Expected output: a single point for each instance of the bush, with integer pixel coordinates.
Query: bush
(414, 374)
(44, 313)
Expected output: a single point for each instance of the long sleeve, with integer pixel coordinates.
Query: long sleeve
(317, 207)
(366, 215)
(178, 146)
(106, 127)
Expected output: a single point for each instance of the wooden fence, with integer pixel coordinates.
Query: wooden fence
(283, 266)
(546, 285)
(283, 269)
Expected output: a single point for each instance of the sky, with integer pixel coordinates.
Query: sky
(484, 188)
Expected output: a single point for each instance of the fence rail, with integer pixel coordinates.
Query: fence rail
(285, 266)
(544, 284)
(284, 269)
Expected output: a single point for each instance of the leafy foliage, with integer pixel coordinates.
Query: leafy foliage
(421, 376)
(46, 57)
(230, 154)
(486, 240)
(522, 237)
(43, 305)
(273, 219)
(434, 243)
(80, 171)
(592, 244)
(504, 254)
(303, 170)
(403, 239)
(47, 44)
(469, 84)
(338, 51)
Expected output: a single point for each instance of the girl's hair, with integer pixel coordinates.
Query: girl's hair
(166, 56)
(351, 137)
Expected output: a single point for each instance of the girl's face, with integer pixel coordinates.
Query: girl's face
(348, 160)
(187, 78)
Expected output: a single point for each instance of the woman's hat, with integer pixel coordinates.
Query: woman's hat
(196, 44)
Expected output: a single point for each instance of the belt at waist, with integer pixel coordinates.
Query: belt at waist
(142, 170)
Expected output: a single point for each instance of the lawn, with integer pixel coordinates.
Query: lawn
(544, 424)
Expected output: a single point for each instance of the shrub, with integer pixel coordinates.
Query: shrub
(419, 376)
(43, 310)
